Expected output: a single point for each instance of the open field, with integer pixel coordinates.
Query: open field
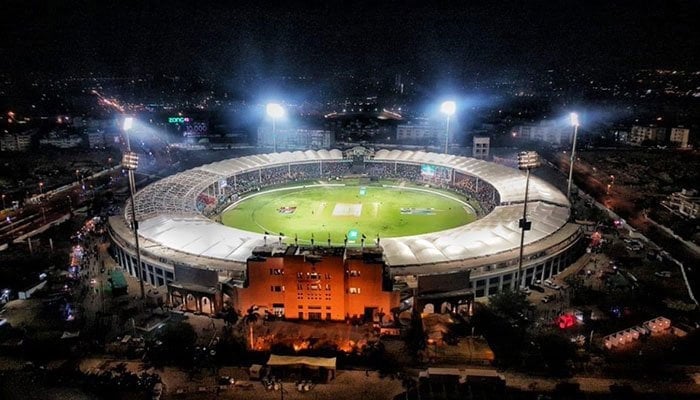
(351, 210)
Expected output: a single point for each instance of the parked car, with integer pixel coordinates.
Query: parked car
(226, 380)
(550, 284)
(663, 274)
(536, 288)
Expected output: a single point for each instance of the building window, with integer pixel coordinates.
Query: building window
(354, 290)
(276, 271)
(328, 287)
(353, 273)
(278, 309)
(315, 316)
(277, 288)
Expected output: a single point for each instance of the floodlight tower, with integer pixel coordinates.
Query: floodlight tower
(574, 123)
(130, 162)
(448, 108)
(274, 111)
(527, 160)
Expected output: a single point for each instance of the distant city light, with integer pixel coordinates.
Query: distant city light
(448, 108)
(275, 110)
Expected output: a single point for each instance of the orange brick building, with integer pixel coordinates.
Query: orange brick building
(320, 283)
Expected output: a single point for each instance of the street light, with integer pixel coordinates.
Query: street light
(527, 160)
(3, 202)
(448, 108)
(274, 111)
(130, 161)
(41, 187)
(574, 122)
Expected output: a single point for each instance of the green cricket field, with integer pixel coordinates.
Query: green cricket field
(323, 211)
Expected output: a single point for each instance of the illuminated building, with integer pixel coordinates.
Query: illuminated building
(317, 283)
(679, 137)
(481, 147)
(640, 133)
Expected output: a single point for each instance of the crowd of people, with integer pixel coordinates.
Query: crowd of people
(482, 191)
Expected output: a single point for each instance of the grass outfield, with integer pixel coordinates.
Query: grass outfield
(346, 210)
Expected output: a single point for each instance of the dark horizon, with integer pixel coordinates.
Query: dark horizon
(449, 38)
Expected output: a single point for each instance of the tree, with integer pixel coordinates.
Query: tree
(556, 352)
(174, 344)
(415, 336)
(510, 305)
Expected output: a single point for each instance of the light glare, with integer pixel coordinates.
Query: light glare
(128, 123)
(574, 119)
(275, 110)
(448, 108)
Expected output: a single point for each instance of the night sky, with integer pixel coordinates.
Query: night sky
(316, 37)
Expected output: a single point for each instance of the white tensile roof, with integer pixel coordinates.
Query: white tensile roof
(168, 215)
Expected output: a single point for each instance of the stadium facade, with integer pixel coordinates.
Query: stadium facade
(177, 218)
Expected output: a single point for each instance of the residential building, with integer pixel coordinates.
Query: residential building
(62, 141)
(481, 147)
(420, 130)
(317, 283)
(679, 137)
(546, 131)
(295, 139)
(640, 133)
(96, 138)
(17, 142)
(685, 203)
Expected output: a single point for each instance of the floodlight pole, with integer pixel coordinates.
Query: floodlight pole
(574, 120)
(274, 134)
(526, 160)
(523, 224)
(134, 223)
(447, 133)
(448, 108)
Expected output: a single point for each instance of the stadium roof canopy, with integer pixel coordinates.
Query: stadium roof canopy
(169, 218)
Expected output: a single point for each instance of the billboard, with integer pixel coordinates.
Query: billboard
(427, 170)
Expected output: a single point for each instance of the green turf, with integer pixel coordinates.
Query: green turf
(381, 213)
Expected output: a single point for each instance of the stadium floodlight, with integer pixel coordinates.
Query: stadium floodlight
(274, 111)
(527, 160)
(448, 108)
(128, 124)
(130, 161)
(574, 124)
(574, 119)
